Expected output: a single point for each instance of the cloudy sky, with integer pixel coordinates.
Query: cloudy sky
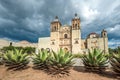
(30, 19)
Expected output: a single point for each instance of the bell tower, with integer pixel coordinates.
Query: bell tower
(76, 23)
(104, 33)
(76, 33)
(105, 40)
(55, 25)
(54, 35)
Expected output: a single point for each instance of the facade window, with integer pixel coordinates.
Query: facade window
(53, 43)
(78, 26)
(65, 36)
(104, 34)
(76, 42)
(55, 28)
(75, 25)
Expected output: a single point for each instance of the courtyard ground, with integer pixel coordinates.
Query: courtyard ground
(76, 73)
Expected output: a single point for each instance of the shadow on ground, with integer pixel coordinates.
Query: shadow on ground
(108, 73)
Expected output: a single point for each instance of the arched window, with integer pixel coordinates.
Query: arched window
(78, 26)
(76, 42)
(75, 25)
(104, 34)
(65, 36)
(53, 43)
(55, 28)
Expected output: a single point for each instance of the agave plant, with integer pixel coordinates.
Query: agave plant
(61, 62)
(1, 58)
(40, 60)
(15, 59)
(95, 60)
(115, 62)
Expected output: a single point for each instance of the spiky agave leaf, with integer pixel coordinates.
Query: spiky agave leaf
(15, 59)
(1, 59)
(61, 62)
(40, 60)
(95, 60)
(115, 62)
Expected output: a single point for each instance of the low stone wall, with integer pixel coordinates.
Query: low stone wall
(78, 62)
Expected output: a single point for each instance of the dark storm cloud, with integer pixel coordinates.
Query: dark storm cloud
(30, 19)
(111, 23)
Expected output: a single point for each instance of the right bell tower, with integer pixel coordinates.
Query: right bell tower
(76, 34)
(105, 40)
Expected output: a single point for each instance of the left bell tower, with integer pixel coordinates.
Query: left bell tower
(54, 35)
(55, 25)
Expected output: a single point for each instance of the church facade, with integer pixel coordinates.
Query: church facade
(68, 37)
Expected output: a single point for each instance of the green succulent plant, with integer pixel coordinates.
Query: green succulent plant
(115, 62)
(1, 58)
(61, 62)
(40, 60)
(95, 60)
(15, 59)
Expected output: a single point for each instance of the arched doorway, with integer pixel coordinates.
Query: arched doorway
(66, 49)
(42, 49)
(48, 50)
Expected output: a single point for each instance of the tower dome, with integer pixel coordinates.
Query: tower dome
(56, 18)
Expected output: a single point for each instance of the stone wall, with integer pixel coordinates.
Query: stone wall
(5, 43)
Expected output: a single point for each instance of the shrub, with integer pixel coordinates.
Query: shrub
(95, 60)
(28, 50)
(116, 50)
(15, 59)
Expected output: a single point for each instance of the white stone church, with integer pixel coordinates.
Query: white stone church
(68, 37)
